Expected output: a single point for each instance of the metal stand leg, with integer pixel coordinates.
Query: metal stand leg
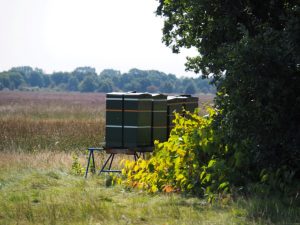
(92, 158)
(110, 159)
(139, 155)
(93, 169)
(136, 156)
(91, 154)
(104, 165)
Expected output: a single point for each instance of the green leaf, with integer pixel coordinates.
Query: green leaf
(211, 163)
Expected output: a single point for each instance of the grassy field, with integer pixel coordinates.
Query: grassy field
(34, 121)
(39, 188)
(39, 134)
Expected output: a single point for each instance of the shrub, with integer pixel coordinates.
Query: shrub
(191, 161)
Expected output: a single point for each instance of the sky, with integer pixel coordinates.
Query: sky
(60, 35)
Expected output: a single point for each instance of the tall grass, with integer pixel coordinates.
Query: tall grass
(51, 121)
(50, 134)
(37, 188)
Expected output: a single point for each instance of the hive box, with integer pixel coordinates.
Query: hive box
(159, 118)
(174, 104)
(178, 104)
(191, 103)
(128, 120)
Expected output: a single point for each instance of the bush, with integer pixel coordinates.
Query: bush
(197, 160)
(191, 161)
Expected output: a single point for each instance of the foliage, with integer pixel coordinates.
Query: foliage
(251, 49)
(190, 89)
(73, 84)
(192, 160)
(89, 84)
(77, 168)
(85, 79)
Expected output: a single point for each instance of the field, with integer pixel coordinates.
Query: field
(32, 121)
(40, 132)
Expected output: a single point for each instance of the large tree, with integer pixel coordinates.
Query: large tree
(251, 48)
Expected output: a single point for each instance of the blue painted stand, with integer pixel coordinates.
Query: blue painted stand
(110, 159)
(91, 155)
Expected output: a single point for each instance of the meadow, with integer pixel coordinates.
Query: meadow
(36, 121)
(39, 135)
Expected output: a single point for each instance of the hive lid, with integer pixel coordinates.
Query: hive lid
(172, 99)
(159, 96)
(128, 95)
(137, 95)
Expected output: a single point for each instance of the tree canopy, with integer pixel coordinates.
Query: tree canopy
(85, 79)
(251, 49)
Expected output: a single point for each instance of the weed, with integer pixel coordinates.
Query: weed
(77, 168)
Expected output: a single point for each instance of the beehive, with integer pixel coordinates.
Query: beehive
(128, 120)
(137, 119)
(191, 103)
(174, 104)
(178, 104)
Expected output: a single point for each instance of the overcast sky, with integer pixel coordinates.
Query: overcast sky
(60, 35)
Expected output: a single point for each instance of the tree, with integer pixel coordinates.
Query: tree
(105, 86)
(251, 48)
(108, 80)
(111, 76)
(5, 81)
(35, 79)
(47, 80)
(72, 84)
(82, 72)
(89, 84)
(190, 89)
(134, 85)
(60, 77)
(16, 79)
(168, 87)
(24, 70)
(85, 70)
(110, 73)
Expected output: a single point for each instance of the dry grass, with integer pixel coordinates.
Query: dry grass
(50, 134)
(11, 160)
(51, 105)
(31, 121)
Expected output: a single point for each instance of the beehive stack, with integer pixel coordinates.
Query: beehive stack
(128, 120)
(135, 120)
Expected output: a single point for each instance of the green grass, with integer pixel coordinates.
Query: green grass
(56, 197)
(39, 188)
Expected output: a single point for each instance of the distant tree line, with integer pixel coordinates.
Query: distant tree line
(85, 79)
